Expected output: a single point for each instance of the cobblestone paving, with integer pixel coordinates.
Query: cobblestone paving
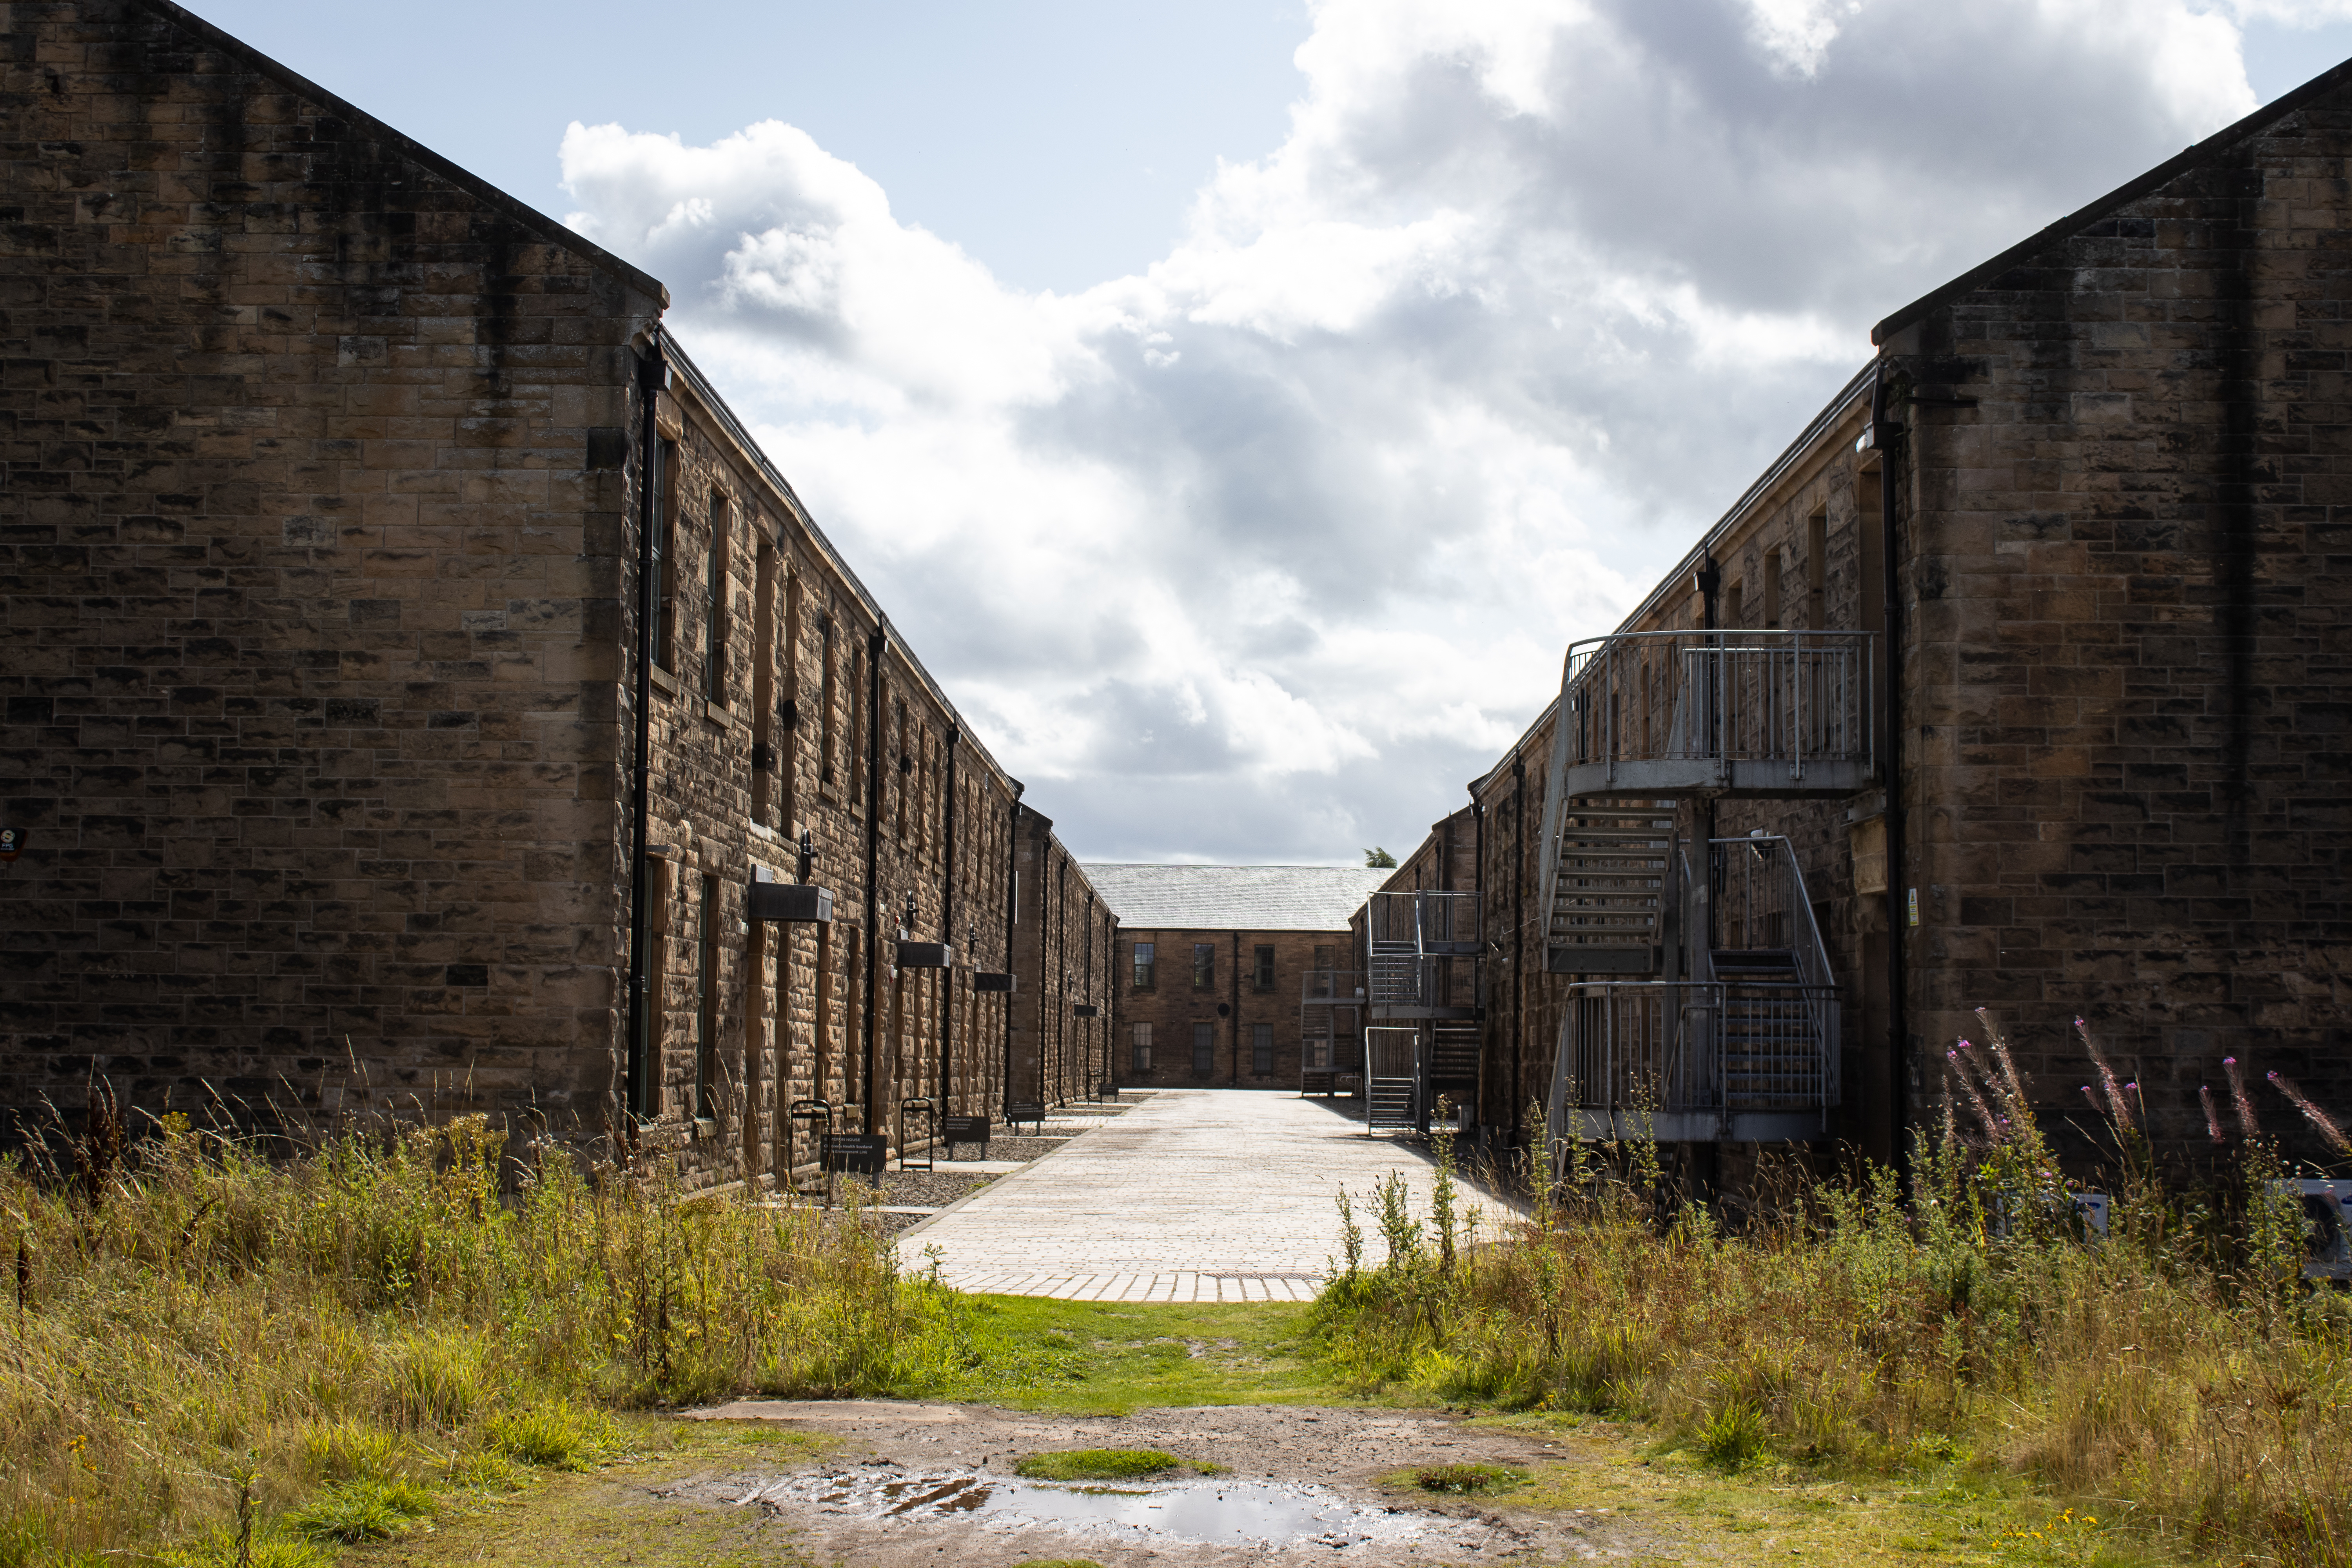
(1194, 1195)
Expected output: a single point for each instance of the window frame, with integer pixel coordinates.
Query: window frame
(1144, 976)
(714, 598)
(1262, 966)
(1204, 967)
(1261, 1050)
(1139, 1049)
(1204, 1049)
(664, 546)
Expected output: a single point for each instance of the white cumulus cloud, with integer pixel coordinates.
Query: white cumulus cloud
(1262, 553)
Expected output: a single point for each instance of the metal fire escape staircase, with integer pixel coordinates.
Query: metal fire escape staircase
(1425, 1004)
(1678, 1028)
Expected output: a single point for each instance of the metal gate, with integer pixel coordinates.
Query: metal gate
(1392, 1078)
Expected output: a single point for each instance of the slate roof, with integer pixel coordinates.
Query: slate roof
(1234, 898)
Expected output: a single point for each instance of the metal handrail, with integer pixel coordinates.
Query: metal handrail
(1341, 987)
(1800, 697)
(1768, 890)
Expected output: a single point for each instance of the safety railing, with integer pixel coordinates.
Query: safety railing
(1393, 922)
(1342, 986)
(1449, 921)
(1760, 905)
(1796, 698)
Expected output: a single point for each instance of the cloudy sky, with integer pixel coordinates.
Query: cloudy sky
(1239, 406)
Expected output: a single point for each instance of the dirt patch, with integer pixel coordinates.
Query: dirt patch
(923, 1483)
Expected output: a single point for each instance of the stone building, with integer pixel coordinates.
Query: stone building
(422, 691)
(1236, 976)
(1065, 951)
(2067, 561)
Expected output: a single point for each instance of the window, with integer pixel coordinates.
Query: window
(1204, 1049)
(665, 549)
(1143, 966)
(1316, 1056)
(905, 747)
(1262, 973)
(1322, 981)
(706, 1007)
(858, 719)
(1734, 609)
(1261, 1049)
(714, 604)
(825, 699)
(1204, 965)
(1143, 1047)
(1772, 588)
(1817, 560)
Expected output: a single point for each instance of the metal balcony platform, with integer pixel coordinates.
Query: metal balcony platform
(1722, 778)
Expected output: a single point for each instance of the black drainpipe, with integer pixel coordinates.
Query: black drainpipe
(876, 647)
(947, 922)
(1898, 1026)
(1011, 918)
(1234, 982)
(653, 378)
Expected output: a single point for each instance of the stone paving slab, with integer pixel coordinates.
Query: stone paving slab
(1194, 1195)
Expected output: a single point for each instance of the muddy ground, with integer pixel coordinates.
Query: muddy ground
(934, 1484)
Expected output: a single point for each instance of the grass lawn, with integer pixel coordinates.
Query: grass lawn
(1097, 1359)
(1089, 1358)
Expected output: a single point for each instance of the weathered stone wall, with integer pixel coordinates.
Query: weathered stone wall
(312, 510)
(2128, 587)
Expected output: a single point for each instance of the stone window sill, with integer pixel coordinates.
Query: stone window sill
(664, 682)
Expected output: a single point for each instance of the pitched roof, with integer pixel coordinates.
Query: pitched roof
(2122, 196)
(1234, 898)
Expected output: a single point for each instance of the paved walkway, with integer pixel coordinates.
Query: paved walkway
(1194, 1195)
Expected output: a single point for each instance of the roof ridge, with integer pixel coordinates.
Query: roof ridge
(2130, 190)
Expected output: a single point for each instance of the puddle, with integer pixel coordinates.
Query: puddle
(1203, 1513)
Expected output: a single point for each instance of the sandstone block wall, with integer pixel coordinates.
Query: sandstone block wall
(309, 556)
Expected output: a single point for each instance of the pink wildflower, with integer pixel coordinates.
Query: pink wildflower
(2121, 1111)
(2312, 1114)
(2212, 1113)
(2247, 1123)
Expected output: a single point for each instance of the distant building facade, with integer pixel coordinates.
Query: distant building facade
(1236, 976)
(423, 693)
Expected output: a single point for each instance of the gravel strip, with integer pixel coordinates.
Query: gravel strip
(937, 1188)
(1023, 1148)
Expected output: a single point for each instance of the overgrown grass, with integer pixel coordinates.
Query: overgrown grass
(209, 1353)
(2177, 1379)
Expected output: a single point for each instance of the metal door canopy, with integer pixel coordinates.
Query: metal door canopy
(802, 902)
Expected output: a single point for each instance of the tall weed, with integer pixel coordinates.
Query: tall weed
(209, 1346)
